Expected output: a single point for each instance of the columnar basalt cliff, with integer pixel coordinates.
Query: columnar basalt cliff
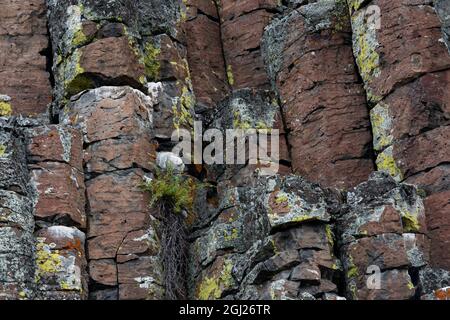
(91, 93)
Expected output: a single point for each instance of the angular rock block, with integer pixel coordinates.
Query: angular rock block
(205, 53)
(383, 236)
(242, 27)
(329, 128)
(267, 240)
(248, 109)
(61, 264)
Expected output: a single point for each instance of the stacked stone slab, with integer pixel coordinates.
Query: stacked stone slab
(55, 161)
(269, 239)
(116, 123)
(404, 63)
(383, 240)
(16, 216)
(205, 53)
(23, 61)
(309, 59)
(244, 110)
(242, 26)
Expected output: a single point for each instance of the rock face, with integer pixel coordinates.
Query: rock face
(23, 64)
(306, 51)
(350, 201)
(407, 88)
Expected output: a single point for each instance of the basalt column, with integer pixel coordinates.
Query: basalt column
(309, 59)
(23, 61)
(404, 62)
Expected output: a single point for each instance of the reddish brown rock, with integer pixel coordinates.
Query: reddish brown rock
(140, 279)
(385, 251)
(106, 61)
(23, 39)
(395, 285)
(56, 143)
(109, 113)
(116, 154)
(328, 121)
(103, 272)
(437, 210)
(404, 47)
(60, 193)
(105, 247)
(117, 204)
(243, 24)
(205, 55)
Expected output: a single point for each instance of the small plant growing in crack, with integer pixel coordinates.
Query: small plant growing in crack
(172, 195)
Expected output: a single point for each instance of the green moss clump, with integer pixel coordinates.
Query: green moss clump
(151, 61)
(172, 189)
(5, 109)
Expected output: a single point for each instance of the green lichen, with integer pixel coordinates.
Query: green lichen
(5, 109)
(367, 58)
(381, 126)
(386, 163)
(238, 123)
(183, 110)
(330, 235)
(79, 38)
(230, 75)
(410, 222)
(213, 287)
(48, 262)
(281, 198)
(230, 236)
(2, 150)
(411, 286)
(303, 218)
(151, 61)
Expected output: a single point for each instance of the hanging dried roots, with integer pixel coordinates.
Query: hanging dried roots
(174, 251)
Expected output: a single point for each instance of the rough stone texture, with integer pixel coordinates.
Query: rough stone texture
(242, 25)
(407, 85)
(74, 222)
(61, 264)
(23, 65)
(16, 217)
(382, 228)
(247, 109)
(205, 52)
(306, 51)
(122, 242)
(266, 240)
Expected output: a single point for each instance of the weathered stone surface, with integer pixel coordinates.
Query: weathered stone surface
(56, 143)
(110, 113)
(61, 263)
(329, 132)
(205, 53)
(382, 229)
(140, 279)
(383, 63)
(60, 193)
(103, 272)
(14, 174)
(242, 27)
(442, 8)
(23, 65)
(117, 204)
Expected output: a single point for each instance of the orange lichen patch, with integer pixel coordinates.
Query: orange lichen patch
(76, 245)
(442, 294)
